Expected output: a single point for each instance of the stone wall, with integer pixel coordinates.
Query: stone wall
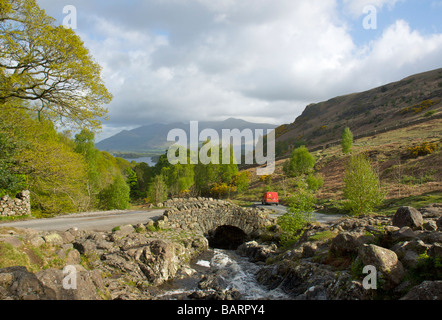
(206, 214)
(19, 206)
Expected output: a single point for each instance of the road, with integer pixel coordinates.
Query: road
(280, 210)
(105, 221)
(98, 221)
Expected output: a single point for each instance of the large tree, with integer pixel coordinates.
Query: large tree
(49, 65)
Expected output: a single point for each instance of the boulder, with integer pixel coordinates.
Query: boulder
(403, 234)
(86, 284)
(256, 252)
(427, 290)
(385, 261)
(20, 284)
(347, 243)
(430, 225)
(53, 239)
(408, 217)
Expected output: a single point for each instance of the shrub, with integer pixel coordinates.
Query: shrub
(423, 149)
(361, 186)
(314, 182)
(222, 190)
(116, 195)
(300, 162)
(347, 140)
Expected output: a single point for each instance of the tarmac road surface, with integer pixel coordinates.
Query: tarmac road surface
(97, 221)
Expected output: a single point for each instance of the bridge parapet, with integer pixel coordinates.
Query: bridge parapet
(206, 215)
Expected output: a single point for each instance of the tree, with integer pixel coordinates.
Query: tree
(132, 181)
(347, 140)
(241, 181)
(361, 186)
(48, 64)
(157, 191)
(116, 195)
(300, 162)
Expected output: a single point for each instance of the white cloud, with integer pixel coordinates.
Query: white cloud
(177, 60)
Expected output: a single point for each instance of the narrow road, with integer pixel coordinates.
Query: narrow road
(280, 210)
(98, 221)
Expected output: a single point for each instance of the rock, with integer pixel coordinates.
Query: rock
(53, 239)
(73, 257)
(23, 285)
(433, 210)
(435, 251)
(407, 217)
(439, 223)
(347, 243)
(85, 286)
(385, 261)
(256, 252)
(427, 290)
(121, 232)
(410, 259)
(403, 234)
(86, 247)
(430, 225)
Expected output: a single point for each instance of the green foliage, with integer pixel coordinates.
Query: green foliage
(48, 64)
(361, 186)
(10, 181)
(157, 191)
(241, 181)
(132, 181)
(292, 225)
(347, 140)
(299, 214)
(314, 181)
(116, 195)
(427, 268)
(300, 162)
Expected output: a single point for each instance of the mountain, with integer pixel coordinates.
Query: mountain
(412, 99)
(153, 138)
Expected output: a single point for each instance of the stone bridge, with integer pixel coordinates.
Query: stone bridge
(226, 225)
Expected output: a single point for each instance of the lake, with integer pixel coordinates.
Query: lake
(147, 160)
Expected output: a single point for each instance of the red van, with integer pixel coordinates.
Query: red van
(270, 198)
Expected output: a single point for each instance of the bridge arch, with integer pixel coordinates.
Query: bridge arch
(217, 219)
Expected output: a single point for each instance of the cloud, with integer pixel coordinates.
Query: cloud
(260, 60)
(356, 8)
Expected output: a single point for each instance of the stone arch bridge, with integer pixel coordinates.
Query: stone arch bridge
(225, 225)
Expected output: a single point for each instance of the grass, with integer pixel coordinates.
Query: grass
(409, 181)
(390, 206)
(11, 256)
(323, 236)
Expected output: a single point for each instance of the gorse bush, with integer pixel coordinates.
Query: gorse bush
(417, 108)
(423, 149)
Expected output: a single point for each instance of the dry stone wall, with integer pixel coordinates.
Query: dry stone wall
(206, 214)
(20, 206)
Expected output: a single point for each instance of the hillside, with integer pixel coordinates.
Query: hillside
(153, 138)
(408, 180)
(396, 104)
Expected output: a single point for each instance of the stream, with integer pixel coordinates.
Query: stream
(230, 270)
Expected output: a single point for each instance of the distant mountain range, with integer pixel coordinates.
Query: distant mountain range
(153, 138)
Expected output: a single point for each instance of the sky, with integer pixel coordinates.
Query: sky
(258, 60)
